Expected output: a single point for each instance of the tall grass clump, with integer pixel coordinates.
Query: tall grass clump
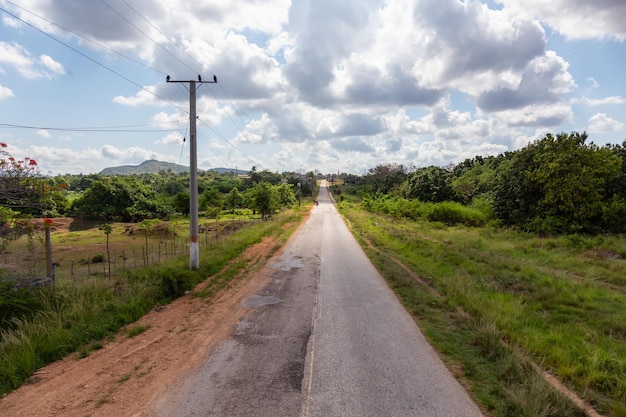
(447, 212)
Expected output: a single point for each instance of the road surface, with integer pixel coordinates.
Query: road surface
(326, 337)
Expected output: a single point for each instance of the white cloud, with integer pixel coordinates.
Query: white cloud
(52, 65)
(544, 81)
(593, 84)
(43, 133)
(329, 84)
(600, 122)
(20, 58)
(145, 96)
(5, 92)
(577, 19)
(598, 101)
(535, 116)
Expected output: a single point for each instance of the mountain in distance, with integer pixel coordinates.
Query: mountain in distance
(153, 166)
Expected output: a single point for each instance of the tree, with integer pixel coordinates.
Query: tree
(120, 198)
(234, 199)
(181, 202)
(475, 181)
(21, 185)
(264, 198)
(558, 183)
(211, 198)
(386, 177)
(430, 184)
(286, 196)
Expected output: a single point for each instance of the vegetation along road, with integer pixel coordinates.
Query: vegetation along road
(324, 337)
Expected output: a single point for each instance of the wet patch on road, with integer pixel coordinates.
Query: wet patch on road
(258, 301)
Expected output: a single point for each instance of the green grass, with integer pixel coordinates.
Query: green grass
(558, 301)
(76, 316)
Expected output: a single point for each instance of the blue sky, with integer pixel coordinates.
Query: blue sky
(305, 85)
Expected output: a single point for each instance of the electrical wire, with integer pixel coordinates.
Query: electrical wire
(87, 39)
(92, 60)
(146, 35)
(114, 129)
(170, 40)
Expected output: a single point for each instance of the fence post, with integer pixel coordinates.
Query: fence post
(49, 268)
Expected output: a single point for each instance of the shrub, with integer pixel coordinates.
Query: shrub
(455, 213)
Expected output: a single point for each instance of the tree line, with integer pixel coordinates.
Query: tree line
(558, 184)
(25, 191)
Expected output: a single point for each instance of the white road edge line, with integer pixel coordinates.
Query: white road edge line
(308, 375)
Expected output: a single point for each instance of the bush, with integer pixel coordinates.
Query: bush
(97, 259)
(455, 213)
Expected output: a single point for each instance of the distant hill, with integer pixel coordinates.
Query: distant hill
(153, 166)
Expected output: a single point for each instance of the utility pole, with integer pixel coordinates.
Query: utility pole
(194, 249)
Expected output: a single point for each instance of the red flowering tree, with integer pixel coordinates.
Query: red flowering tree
(21, 183)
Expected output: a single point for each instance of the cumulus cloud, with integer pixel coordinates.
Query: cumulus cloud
(5, 92)
(600, 122)
(52, 65)
(536, 116)
(576, 19)
(18, 57)
(304, 83)
(353, 145)
(598, 101)
(544, 81)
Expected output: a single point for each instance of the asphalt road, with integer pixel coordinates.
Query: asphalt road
(326, 337)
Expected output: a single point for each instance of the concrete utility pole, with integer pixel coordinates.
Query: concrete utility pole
(194, 249)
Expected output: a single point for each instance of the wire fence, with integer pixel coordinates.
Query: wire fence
(25, 260)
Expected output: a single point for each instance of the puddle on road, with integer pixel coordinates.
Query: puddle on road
(287, 262)
(257, 301)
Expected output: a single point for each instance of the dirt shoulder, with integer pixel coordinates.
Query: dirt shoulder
(123, 377)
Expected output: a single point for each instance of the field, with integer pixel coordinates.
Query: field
(509, 310)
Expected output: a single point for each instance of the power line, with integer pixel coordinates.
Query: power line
(146, 35)
(90, 129)
(170, 40)
(87, 39)
(164, 35)
(92, 59)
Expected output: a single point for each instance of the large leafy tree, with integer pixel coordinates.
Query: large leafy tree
(234, 199)
(264, 197)
(286, 196)
(559, 182)
(432, 184)
(120, 198)
(386, 177)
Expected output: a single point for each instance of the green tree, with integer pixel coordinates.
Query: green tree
(556, 184)
(234, 199)
(474, 182)
(386, 177)
(211, 198)
(181, 202)
(432, 184)
(120, 198)
(286, 196)
(264, 198)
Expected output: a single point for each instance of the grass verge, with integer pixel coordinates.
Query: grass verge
(491, 301)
